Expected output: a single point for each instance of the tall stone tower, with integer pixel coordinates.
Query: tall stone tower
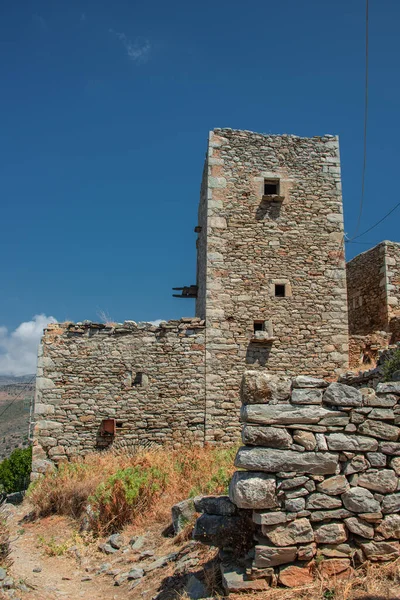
(271, 279)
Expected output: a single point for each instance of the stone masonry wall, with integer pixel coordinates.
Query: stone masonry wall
(320, 472)
(149, 379)
(366, 292)
(392, 264)
(254, 242)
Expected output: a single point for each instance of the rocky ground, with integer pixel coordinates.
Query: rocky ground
(52, 561)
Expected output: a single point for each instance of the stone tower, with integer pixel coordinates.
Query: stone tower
(271, 279)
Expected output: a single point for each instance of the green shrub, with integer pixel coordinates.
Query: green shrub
(123, 494)
(391, 365)
(15, 470)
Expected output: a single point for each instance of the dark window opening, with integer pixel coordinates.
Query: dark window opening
(138, 380)
(271, 187)
(280, 290)
(258, 326)
(119, 424)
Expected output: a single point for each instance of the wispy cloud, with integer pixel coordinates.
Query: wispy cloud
(40, 21)
(137, 51)
(18, 349)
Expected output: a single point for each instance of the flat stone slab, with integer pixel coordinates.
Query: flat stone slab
(271, 556)
(273, 461)
(340, 394)
(283, 414)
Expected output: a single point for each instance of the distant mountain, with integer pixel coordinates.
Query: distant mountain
(16, 397)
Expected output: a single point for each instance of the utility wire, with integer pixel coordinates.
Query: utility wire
(17, 396)
(365, 119)
(375, 224)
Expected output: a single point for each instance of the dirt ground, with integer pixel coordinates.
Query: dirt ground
(51, 560)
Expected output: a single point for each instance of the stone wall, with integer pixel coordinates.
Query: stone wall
(373, 289)
(149, 379)
(255, 242)
(320, 472)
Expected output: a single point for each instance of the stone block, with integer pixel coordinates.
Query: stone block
(298, 531)
(330, 533)
(281, 414)
(272, 556)
(259, 387)
(272, 437)
(274, 460)
(253, 490)
(340, 394)
(306, 396)
(360, 500)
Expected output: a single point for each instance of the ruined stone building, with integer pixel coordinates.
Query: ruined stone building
(270, 293)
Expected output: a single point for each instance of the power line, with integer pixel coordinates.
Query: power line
(17, 396)
(375, 224)
(365, 118)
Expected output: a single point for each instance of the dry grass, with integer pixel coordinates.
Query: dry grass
(125, 488)
(369, 582)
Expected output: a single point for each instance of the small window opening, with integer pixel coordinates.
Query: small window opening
(138, 380)
(258, 326)
(280, 290)
(271, 187)
(119, 424)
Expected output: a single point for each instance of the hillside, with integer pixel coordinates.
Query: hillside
(16, 393)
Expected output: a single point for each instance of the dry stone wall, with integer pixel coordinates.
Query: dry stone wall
(149, 379)
(319, 471)
(249, 243)
(373, 289)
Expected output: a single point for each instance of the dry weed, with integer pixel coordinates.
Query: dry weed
(123, 487)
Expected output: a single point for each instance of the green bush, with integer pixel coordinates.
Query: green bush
(15, 470)
(391, 365)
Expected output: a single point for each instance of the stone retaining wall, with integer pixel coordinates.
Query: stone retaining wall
(319, 472)
(149, 379)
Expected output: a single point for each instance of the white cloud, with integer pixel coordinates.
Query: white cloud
(136, 51)
(18, 349)
(156, 322)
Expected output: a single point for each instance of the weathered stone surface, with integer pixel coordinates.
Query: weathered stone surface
(390, 448)
(389, 527)
(272, 556)
(281, 414)
(371, 399)
(330, 533)
(306, 552)
(269, 518)
(264, 459)
(395, 465)
(383, 480)
(381, 551)
(295, 504)
(333, 486)
(306, 396)
(356, 443)
(258, 387)
(220, 531)
(253, 490)
(377, 459)
(339, 394)
(383, 414)
(393, 387)
(336, 550)
(360, 527)
(234, 580)
(294, 532)
(375, 517)
(182, 513)
(328, 515)
(305, 439)
(391, 503)
(357, 464)
(334, 567)
(304, 381)
(288, 484)
(360, 500)
(380, 430)
(214, 505)
(272, 437)
(322, 501)
(294, 576)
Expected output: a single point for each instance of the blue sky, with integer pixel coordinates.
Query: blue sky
(105, 110)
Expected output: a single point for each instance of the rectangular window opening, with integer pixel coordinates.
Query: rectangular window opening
(119, 424)
(280, 291)
(271, 187)
(258, 326)
(138, 380)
